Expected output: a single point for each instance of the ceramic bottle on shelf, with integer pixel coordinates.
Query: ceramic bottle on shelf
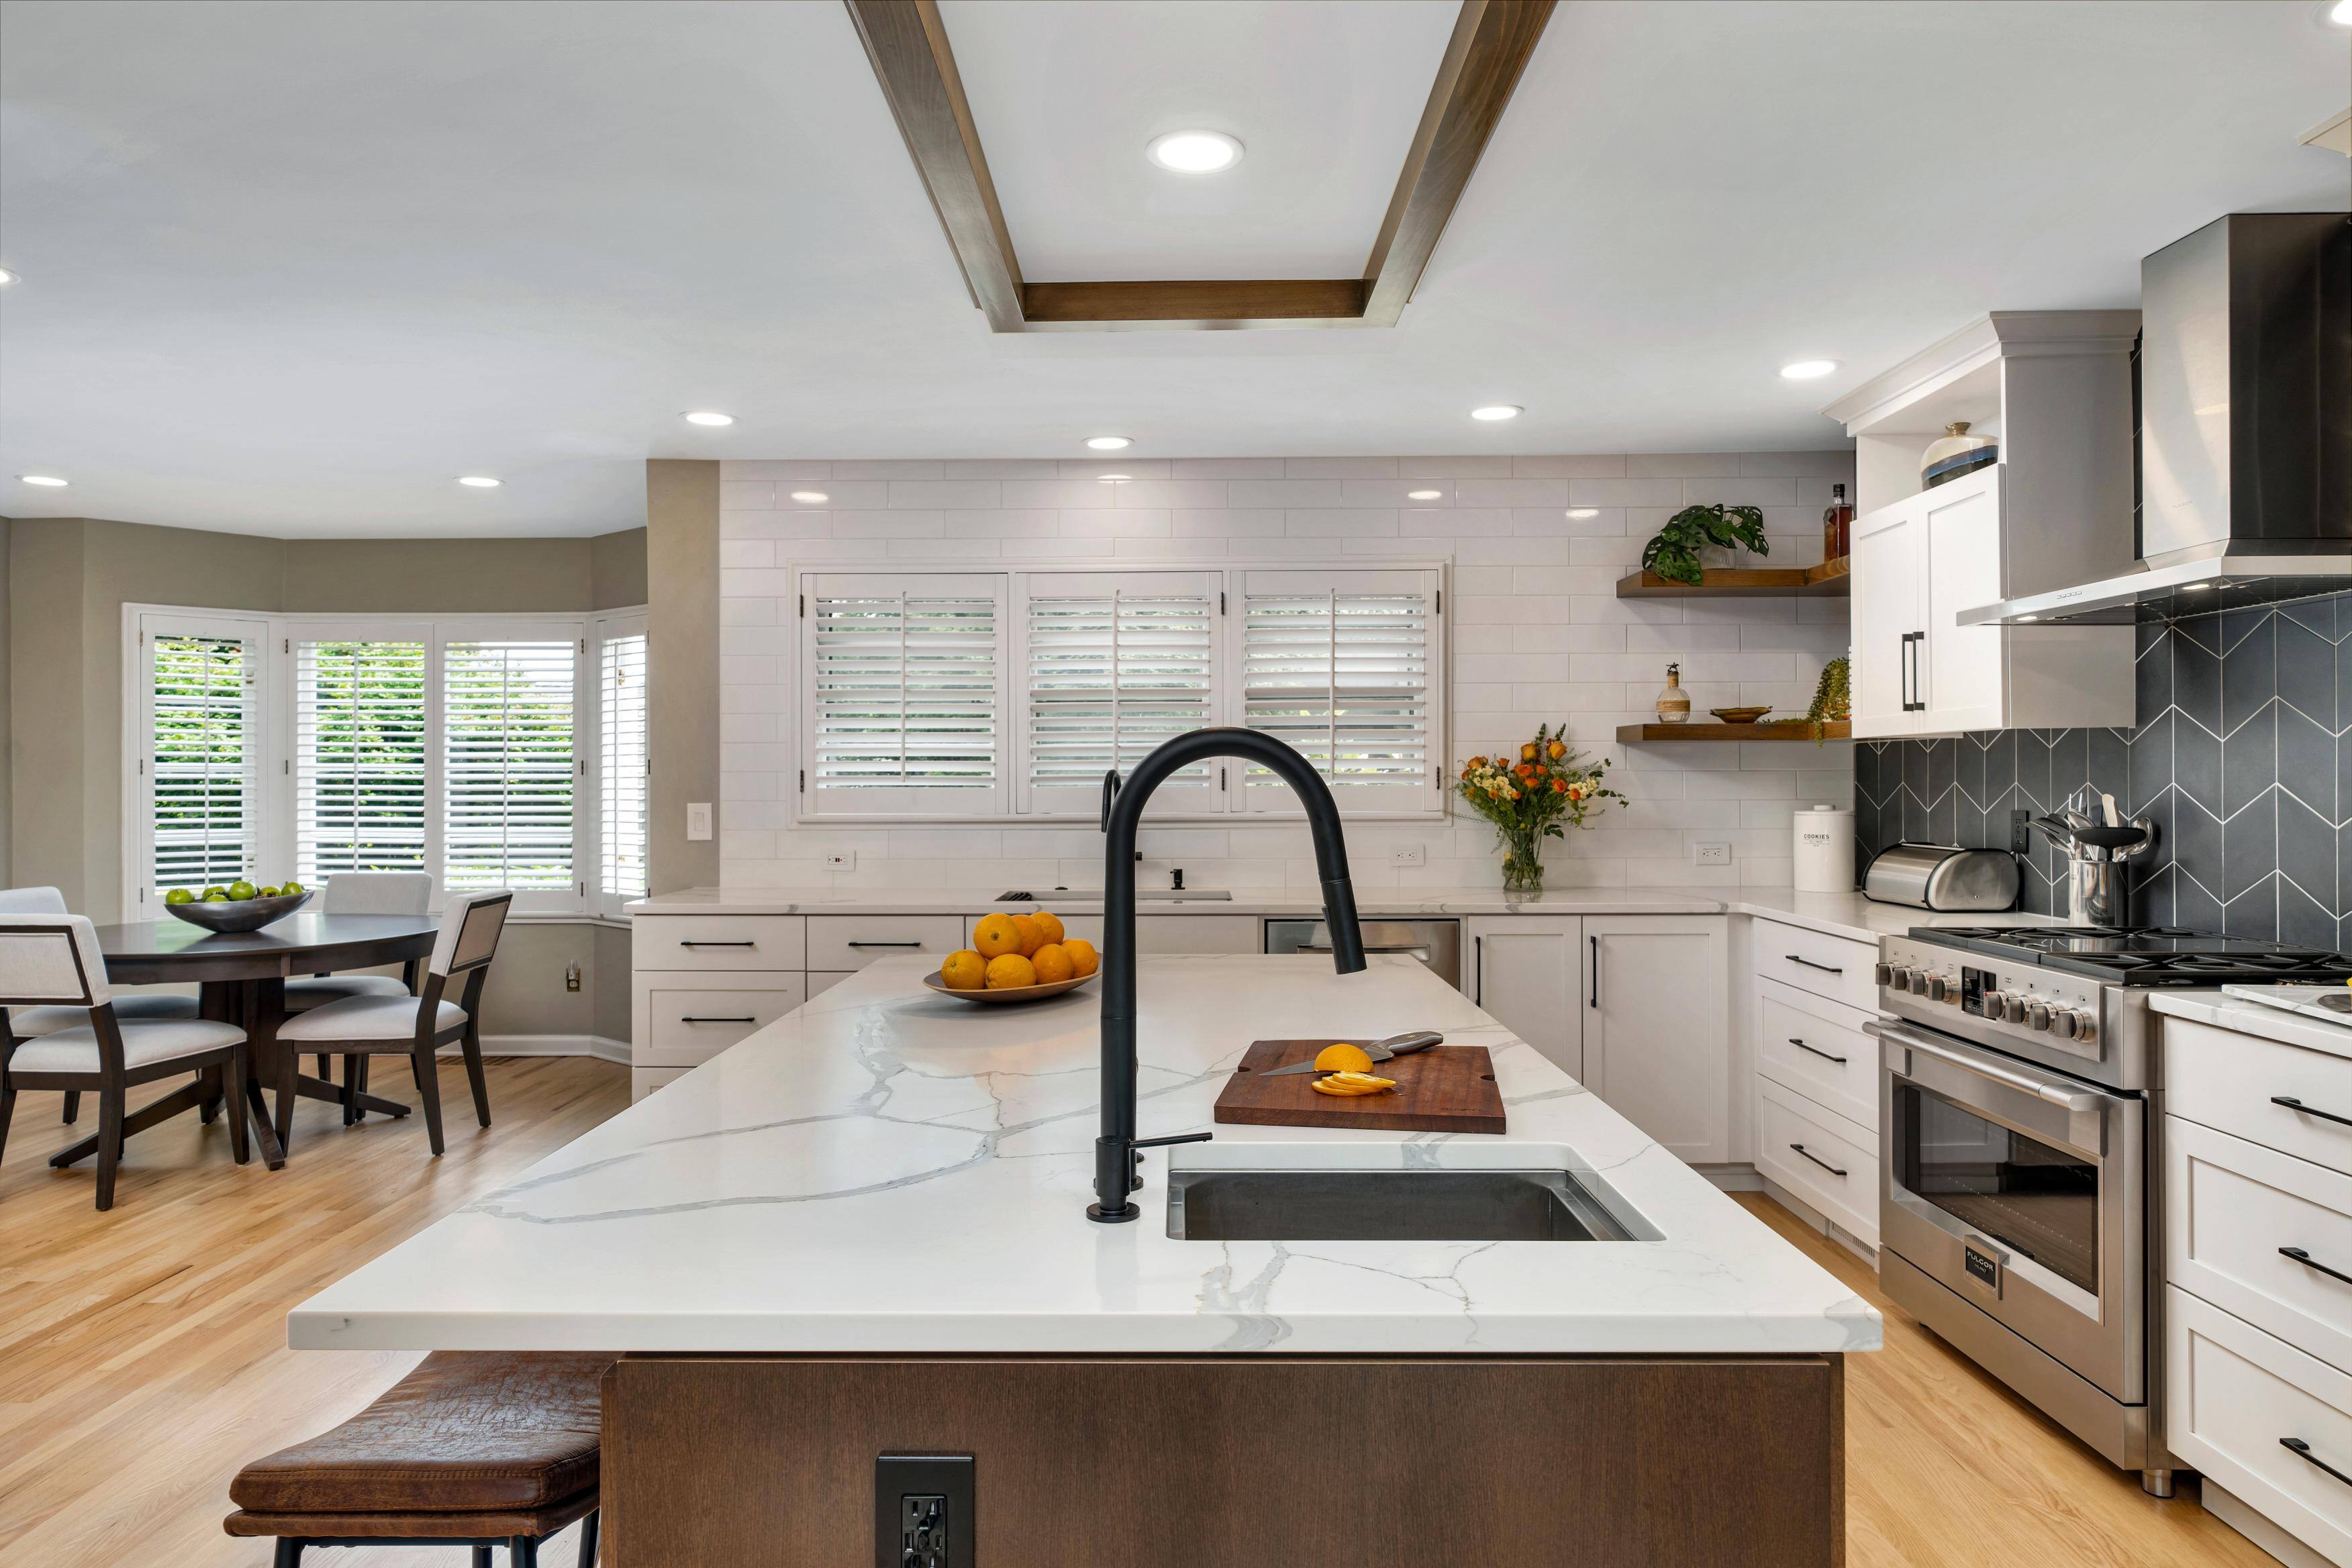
(1954, 453)
(1673, 702)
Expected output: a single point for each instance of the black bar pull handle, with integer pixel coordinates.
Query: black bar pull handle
(2308, 1261)
(1816, 1050)
(2292, 1103)
(718, 944)
(883, 945)
(1809, 963)
(1596, 971)
(1478, 971)
(2303, 1448)
(745, 1019)
(1817, 1160)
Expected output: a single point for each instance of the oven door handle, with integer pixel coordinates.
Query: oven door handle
(2078, 1103)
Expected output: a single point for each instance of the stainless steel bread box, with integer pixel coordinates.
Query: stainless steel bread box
(1942, 876)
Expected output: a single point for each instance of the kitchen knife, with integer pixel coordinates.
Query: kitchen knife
(1378, 1050)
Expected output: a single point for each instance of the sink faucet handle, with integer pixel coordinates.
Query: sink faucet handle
(1136, 1149)
(1110, 793)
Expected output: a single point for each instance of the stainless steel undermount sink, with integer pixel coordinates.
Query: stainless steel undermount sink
(1387, 1206)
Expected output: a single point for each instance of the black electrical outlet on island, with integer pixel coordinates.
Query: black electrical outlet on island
(923, 1510)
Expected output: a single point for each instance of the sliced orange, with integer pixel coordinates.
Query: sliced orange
(1342, 1057)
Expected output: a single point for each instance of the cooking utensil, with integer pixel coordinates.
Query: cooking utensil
(1378, 1050)
(2107, 806)
(2111, 837)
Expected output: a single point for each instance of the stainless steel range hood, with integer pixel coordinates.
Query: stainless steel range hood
(2245, 428)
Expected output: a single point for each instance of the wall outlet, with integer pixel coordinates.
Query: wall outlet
(571, 977)
(923, 1514)
(1711, 852)
(2021, 832)
(698, 820)
(842, 860)
(1404, 855)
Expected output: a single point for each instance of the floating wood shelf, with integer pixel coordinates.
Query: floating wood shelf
(1791, 730)
(1826, 581)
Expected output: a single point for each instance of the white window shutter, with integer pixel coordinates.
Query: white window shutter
(510, 768)
(360, 757)
(902, 676)
(624, 780)
(203, 757)
(1113, 665)
(1342, 666)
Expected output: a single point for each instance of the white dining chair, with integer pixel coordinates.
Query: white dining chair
(32, 1022)
(363, 893)
(53, 960)
(415, 1027)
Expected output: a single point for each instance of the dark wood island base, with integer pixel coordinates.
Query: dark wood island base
(1248, 1461)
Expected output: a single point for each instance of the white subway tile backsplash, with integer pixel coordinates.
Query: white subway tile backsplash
(1538, 636)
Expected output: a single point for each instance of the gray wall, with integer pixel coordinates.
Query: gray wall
(682, 591)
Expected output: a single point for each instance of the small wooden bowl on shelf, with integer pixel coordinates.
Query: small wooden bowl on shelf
(1009, 993)
(1740, 715)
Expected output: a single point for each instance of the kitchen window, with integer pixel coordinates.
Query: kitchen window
(493, 751)
(993, 695)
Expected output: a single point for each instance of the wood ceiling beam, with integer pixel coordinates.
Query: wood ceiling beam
(1210, 303)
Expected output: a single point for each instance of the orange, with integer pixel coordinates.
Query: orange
(1032, 939)
(1051, 964)
(1050, 924)
(1082, 955)
(964, 969)
(995, 936)
(1010, 971)
(1342, 1057)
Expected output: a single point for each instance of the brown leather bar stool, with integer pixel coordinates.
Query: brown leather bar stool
(485, 1449)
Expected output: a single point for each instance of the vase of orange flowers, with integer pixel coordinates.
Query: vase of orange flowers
(1547, 790)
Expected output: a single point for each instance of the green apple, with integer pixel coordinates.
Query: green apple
(289, 890)
(216, 897)
(179, 896)
(266, 893)
(240, 890)
(216, 888)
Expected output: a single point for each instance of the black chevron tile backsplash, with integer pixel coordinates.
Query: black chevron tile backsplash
(2241, 756)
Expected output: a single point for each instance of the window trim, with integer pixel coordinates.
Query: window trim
(604, 627)
(274, 797)
(1226, 700)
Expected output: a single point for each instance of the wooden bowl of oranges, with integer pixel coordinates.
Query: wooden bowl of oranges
(1016, 958)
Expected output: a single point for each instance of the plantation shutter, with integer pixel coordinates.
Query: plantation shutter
(200, 779)
(1114, 663)
(1341, 666)
(904, 708)
(510, 764)
(360, 757)
(625, 778)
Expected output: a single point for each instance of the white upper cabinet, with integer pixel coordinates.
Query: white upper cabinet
(2054, 389)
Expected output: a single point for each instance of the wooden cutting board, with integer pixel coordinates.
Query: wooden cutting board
(1445, 1089)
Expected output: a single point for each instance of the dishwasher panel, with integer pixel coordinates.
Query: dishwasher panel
(1437, 943)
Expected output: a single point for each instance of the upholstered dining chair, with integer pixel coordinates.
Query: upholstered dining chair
(32, 1022)
(53, 960)
(415, 1027)
(362, 893)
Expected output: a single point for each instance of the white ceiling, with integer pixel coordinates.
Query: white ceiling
(290, 269)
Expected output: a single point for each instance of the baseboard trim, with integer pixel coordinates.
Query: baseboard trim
(1738, 1178)
(603, 1048)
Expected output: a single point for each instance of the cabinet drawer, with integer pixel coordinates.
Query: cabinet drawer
(682, 1021)
(720, 941)
(2229, 1206)
(1827, 966)
(643, 1081)
(1816, 1047)
(2225, 1079)
(1840, 1178)
(2235, 1394)
(853, 942)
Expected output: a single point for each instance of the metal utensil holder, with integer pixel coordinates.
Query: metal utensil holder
(2098, 878)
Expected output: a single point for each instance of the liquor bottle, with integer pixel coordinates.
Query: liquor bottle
(1837, 526)
(1673, 702)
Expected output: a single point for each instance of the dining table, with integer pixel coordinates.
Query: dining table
(240, 978)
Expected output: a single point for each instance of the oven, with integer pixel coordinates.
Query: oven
(2013, 1222)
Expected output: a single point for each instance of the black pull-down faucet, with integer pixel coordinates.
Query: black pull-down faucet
(1115, 1157)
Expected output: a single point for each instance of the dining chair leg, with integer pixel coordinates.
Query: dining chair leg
(482, 1557)
(110, 1142)
(210, 1106)
(350, 1087)
(7, 1109)
(289, 1071)
(240, 1141)
(588, 1538)
(73, 1107)
(522, 1551)
(326, 1067)
(290, 1552)
(428, 1088)
(472, 1046)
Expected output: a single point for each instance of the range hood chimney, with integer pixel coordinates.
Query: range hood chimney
(2245, 428)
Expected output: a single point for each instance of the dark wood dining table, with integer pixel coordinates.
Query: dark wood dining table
(241, 979)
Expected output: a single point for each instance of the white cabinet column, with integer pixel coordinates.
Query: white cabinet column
(1529, 972)
(1657, 1027)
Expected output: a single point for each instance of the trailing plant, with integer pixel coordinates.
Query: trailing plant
(1833, 698)
(1673, 553)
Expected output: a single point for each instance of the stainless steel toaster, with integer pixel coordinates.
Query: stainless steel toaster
(1942, 877)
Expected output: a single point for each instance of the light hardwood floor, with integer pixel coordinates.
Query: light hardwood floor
(142, 1354)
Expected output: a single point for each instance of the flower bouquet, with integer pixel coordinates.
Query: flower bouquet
(1530, 800)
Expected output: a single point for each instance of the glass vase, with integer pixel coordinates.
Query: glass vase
(1522, 860)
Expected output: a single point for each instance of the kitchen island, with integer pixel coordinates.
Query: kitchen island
(862, 1231)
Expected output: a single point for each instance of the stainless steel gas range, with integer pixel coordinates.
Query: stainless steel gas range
(2019, 1108)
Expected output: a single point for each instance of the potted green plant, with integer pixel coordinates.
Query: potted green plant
(1673, 553)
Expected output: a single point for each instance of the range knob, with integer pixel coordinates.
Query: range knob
(1919, 982)
(2086, 1025)
(1937, 987)
(2066, 1024)
(1884, 975)
(2037, 1016)
(2001, 1006)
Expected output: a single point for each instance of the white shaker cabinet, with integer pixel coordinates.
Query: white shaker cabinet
(1529, 972)
(1657, 1029)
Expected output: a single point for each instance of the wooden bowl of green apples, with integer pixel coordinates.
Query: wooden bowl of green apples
(240, 906)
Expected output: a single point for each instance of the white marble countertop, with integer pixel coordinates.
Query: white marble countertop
(890, 1171)
(1846, 914)
(2253, 1018)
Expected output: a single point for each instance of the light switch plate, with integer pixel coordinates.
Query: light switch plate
(697, 819)
(1404, 855)
(842, 860)
(1711, 852)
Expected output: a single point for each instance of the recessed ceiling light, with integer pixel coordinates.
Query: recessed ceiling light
(2341, 13)
(1194, 151)
(7, 277)
(1583, 512)
(49, 481)
(1110, 443)
(708, 417)
(479, 481)
(810, 497)
(1497, 411)
(1807, 369)
(1423, 495)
